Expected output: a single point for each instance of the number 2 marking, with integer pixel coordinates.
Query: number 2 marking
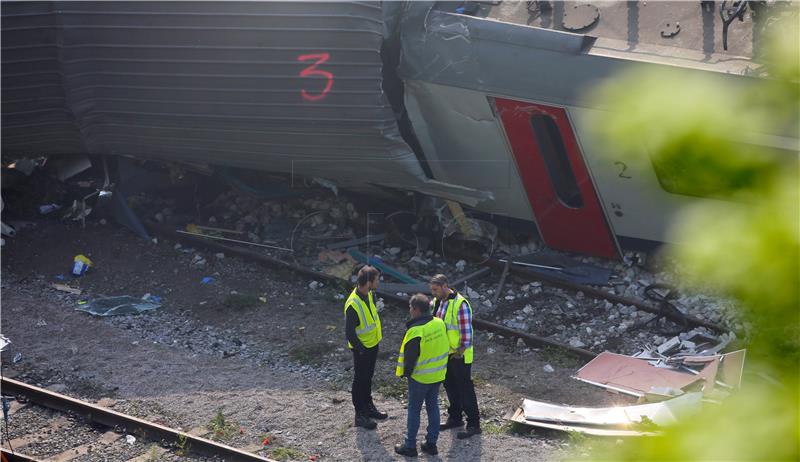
(310, 71)
(623, 167)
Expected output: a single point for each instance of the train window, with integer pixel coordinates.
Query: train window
(556, 161)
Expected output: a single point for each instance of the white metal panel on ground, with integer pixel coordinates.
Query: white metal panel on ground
(662, 414)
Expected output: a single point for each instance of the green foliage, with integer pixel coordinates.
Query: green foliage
(703, 133)
(152, 454)
(286, 454)
(222, 428)
(182, 445)
(502, 428)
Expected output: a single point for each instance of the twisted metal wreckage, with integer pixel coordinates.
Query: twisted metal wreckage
(475, 102)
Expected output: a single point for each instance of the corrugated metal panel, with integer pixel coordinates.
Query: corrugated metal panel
(221, 82)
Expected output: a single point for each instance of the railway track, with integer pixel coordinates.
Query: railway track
(105, 428)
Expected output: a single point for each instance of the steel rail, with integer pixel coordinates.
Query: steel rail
(15, 456)
(139, 427)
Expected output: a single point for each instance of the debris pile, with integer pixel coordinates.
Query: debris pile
(332, 235)
(671, 381)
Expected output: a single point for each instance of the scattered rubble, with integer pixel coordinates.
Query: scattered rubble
(307, 225)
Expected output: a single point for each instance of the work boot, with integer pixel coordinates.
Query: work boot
(374, 413)
(470, 431)
(451, 423)
(364, 421)
(404, 451)
(429, 448)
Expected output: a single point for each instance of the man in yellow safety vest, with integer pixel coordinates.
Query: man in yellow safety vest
(423, 360)
(363, 332)
(456, 312)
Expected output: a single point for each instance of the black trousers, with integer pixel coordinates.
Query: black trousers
(461, 392)
(363, 370)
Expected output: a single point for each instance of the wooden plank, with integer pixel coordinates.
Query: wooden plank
(53, 425)
(78, 451)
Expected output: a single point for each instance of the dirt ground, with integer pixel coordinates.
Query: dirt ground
(256, 344)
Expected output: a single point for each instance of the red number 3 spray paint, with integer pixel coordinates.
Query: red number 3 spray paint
(312, 71)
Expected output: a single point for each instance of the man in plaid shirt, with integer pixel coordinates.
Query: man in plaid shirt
(456, 312)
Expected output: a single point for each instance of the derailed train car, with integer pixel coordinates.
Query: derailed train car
(481, 103)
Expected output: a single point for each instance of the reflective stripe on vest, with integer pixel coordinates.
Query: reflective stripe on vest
(369, 323)
(453, 328)
(434, 348)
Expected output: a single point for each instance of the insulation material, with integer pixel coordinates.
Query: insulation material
(631, 375)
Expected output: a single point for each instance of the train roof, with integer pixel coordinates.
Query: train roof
(681, 33)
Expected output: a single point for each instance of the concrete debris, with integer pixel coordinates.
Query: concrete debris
(407, 255)
(576, 343)
(420, 261)
(198, 261)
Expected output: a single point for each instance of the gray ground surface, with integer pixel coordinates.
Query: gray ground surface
(278, 369)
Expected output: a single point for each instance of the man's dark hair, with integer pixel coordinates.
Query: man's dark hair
(366, 274)
(439, 280)
(421, 303)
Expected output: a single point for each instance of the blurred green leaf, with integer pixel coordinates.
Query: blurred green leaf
(705, 136)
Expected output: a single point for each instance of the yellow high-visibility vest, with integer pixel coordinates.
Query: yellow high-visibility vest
(451, 323)
(369, 323)
(434, 349)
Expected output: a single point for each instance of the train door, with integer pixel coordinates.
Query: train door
(557, 182)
